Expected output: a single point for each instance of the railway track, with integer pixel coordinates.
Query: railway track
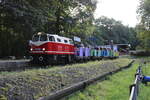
(20, 65)
(14, 65)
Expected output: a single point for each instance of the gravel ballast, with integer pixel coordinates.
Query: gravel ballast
(35, 83)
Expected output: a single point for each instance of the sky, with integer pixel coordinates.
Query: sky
(122, 10)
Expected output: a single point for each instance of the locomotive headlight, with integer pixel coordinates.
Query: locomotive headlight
(43, 49)
(31, 49)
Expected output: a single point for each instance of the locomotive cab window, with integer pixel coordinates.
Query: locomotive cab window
(58, 40)
(71, 42)
(43, 38)
(65, 41)
(51, 38)
(35, 38)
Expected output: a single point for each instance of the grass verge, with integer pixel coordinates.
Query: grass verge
(115, 88)
(145, 90)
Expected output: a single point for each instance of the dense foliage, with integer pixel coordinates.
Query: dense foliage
(144, 25)
(109, 29)
(20, 19)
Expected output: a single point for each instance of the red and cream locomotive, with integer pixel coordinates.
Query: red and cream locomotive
(50, 48)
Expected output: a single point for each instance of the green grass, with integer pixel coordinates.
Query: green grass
(145, 90)
(115, 88)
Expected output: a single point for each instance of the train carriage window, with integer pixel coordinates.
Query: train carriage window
(35, 38)
(65, 41)
(51, 38)
(58, 40)
(71, 42)
(43, 38)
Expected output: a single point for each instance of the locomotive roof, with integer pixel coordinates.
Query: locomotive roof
(55, 35)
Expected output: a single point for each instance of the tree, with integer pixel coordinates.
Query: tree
(109, 29)
(144, 26)
(20, 19)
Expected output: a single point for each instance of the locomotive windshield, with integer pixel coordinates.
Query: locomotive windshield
(35, 38)
(39, 38)
(43, 38)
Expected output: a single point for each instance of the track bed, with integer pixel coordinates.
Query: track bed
(35, 83)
